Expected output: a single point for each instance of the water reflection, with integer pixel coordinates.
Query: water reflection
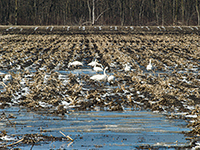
(104, 129)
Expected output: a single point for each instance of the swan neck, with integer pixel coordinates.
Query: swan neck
(104, 71)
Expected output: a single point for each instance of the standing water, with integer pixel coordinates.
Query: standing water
(95, 129)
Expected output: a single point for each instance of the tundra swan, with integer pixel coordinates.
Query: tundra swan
(75, 63)
(111, 79)
(100, 77)
(93, 63)
(97, 69)
(127, 68)
(149, 66)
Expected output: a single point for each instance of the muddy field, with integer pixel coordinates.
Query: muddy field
(39, 72)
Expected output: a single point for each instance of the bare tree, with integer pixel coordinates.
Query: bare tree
(141, 11)
(183, 10)
(92, 13)
(163, 16)
(93, 8)
(35, 11)
(198, 15)
(131, 11)
(89, 9)
(157, 13)
(16, 6)
(173, 7)
(104, 12)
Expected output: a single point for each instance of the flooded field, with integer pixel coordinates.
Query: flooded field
(103, 90)
(93, 130)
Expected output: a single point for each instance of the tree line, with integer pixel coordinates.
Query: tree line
(100, 12)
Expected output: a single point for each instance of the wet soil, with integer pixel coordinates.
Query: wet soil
(35, 73)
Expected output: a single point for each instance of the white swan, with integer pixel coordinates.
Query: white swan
(127, 68)
(100, 77)
(111, 79)
(75, 63)
(149, 66)
(93, 63)
(97, 69)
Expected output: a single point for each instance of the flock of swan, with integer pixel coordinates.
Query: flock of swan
(97, 67)
(104, 77)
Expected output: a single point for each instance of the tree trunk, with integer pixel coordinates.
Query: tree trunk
(173, 12)
(163, 19)
(16, 6)
(35, 9)
(176, 14)
(131, 12)
(89, 9)
(198, 15)
(121, 9)
(93, 8)
(183, 11)
(157, 16)
(141, 11)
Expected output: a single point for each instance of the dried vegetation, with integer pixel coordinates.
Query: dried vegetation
(33, 62)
